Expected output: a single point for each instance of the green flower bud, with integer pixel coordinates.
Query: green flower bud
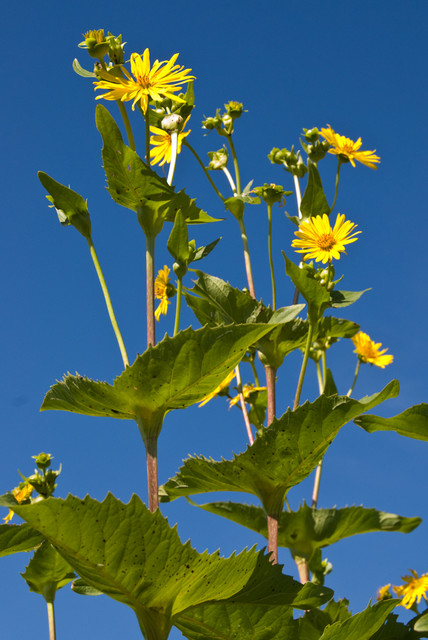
(234, 109)
(180, 270)
(311, 135)
(212, 122)
(218, 159)
(95, 43)
(172, 123)
(43, 460)
(277, 156)
(228, 123)
(115, 51)
(272, 193)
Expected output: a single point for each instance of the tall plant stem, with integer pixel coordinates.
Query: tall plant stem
(230, 180)
(272, 273)
(357, 371)
(247, 258)
(178, 305)
(272, 527)
(254, 370)
(339, 164)
(298, 195)
(321, 386)
(271, 393)
(108, 303)
(152, 471)
(302, 567)
(127, 124)
(243, 405)
(235, 164)
(150, 289)
(147, 121)
(201, 164)
(174, 150)
(51, 620)
(303, 368)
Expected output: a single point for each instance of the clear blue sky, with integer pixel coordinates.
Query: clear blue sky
(357, 66)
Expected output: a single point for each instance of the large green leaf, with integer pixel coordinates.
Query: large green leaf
(413, 423)
(174, 374)
(280, 458)
(70, 206)
(135, 557)
(345, 298)
(314, 202)
(134, 185)
(317, 296)
(15, 538)
(308, 529)
(362, 625)
(47, 572)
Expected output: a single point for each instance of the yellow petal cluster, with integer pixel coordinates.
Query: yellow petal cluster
(247, 390)
(348, 149)
(160, 81)
(320, 242)
(161, 291)
(20, 494)
(161, 142)
(414, 589)
(369, 351)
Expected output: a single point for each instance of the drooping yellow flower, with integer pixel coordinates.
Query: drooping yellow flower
(20, 494)
(369, 351)
(156, 83)
(162, 144)
(223, 384)
(414, 590)
(247, 390)
(318, 241)
(384, 593)
(161, 291)
(348, 150)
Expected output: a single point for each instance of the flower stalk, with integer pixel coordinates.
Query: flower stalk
(174, 150)
(127, 124)
(150, 289)
(204, 169)
(178, 305)
(51, 620)
(272, 273)
(303, 367)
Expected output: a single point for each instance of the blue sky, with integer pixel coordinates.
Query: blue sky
(357, 66)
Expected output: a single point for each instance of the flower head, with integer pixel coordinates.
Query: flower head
(414, 590)
(317, 240)
(156, 83)
(21, 493)
(161, 142)
(384, 593)
(348, 150)
(247, 390)
(163, 291)
(223, 384)
(369, 351)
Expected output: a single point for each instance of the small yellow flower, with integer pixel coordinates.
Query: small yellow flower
(20, 494)
(348, 150)
(369, 351)
(162, 143)
(384, 593)
(414, 590)
(223, 384)
(156, 83)
(161, 291)
(247, 390)
(319, 241)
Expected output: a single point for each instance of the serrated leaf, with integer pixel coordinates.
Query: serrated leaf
(133, 556)
(281, 457)
(77, 68)
(47, 572)
(314, 202)
(413, 423)
(174, 374)
(71, 207)
(345, 298)
(317, 296)
(15, 538)
(362, 625)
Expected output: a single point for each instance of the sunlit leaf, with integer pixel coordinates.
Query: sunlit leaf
(314, 202)
(413, 423)
(47, 572)
(70, 206)
(362, 625)
(15, 538)
(316, 295)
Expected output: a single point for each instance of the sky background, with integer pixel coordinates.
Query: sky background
(358, 66)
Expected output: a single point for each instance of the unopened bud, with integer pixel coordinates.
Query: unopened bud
(218, 159)
(172, 123)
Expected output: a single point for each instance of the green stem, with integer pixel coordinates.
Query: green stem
(108, 303)
(272, 273)
(201, 164)
(127, 124)
(339, 164)
(51, 620)
(174, 150)
(357, 371)
(247, 258)
(272, 527)
(303, 368)
(243, 405)
(150, 289)
(271, 395)
(321, 387)
(254, 370)
(230, 180)
(152, 472)
(298, 195)
(147, 121)
(178, 305)
(319, 377)
(235, 164)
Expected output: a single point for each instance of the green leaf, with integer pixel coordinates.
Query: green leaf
(394, 630)
(345, 298)
(314, 202)
(330, 327)
(283, 340)
(178, 241)
(174, 374)
(421, 623)
(47, 572)
(280, 458)
(413, 423)
(362, 625)
(133, 556)
(71, 207)
(203, 252)
(18, 537)
(82, 588)
(317, 296)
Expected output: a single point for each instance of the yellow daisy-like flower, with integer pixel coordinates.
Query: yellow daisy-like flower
(161, 291)
(348, 150)
(384, 593)
(369, 351)
(223, 384)
(318, 241)
(156, 83)
(414, 590)
(247, 390)
(20, 494)
(162, 144)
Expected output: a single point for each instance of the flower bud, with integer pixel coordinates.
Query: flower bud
(311, 135)
(234, 109)
(228, 123)
(43, 460)
(180, 270)
(95, 43)
(272, 193)
(277, 156)
(212, 122)
(172, 123)
(218, 159)
(115, 51)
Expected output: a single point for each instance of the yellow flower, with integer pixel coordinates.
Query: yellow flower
(348, 150)
(318, 240)
(225, 383)
(368, 351)
(247, 390)
(20, 494)
(414, 590)
(384, 593)
(156, 83)
(162, 143)
(161, 291)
